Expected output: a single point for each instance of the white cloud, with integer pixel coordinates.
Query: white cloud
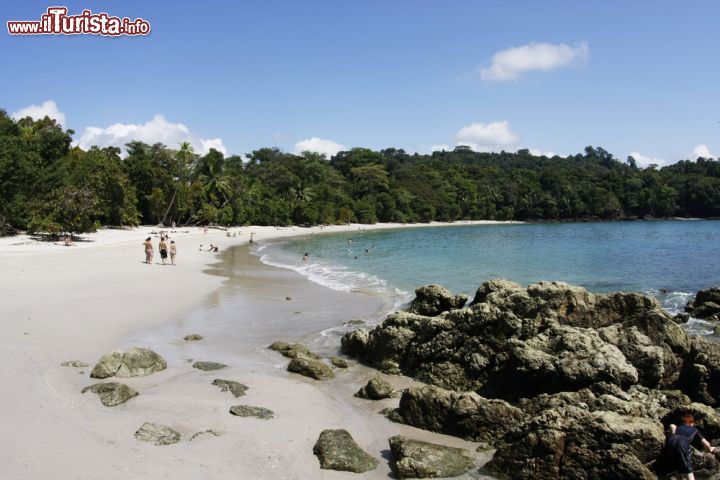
(314, 144)
(36, 112)
(644, 161)
(702, 151)
(156, 130)
(486, 137)
(511, 63)
(537, 153)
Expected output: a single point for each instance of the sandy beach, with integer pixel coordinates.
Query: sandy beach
(78, 303)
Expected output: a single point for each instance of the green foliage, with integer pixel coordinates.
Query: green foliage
(45, 186)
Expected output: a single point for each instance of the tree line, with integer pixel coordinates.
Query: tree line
(49, 186)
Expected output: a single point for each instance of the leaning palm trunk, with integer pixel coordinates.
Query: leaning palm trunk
(162, 222)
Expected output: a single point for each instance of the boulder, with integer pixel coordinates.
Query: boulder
(706, 304)
(292, 350)
(136, 362)
(209, 366)
(337, 450)
(571, 443)
(466, 415)
(376, 389)
(416, 459)
(193, 337)
(235, 388)
(157, 434)
(432, 300)
(310, 367)
(700, 373)
(251, 411)
(354, 343)
(111, 393)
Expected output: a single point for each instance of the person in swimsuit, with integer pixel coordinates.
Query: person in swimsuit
(148, 250)
(173, 251)
(678, 446)
(162, 246)
(306, 256)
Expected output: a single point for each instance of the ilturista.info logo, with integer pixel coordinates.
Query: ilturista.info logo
(56, 21)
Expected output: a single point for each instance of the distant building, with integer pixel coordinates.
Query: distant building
(462, 148)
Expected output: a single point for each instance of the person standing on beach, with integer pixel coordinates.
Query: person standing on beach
(162, 246)
(148, 251)
(173, 251)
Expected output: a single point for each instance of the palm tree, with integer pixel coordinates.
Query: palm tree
(185, 154)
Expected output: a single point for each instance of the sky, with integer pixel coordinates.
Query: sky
(640, 77)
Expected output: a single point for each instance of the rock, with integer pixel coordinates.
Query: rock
(157, 434)
(136, 362)
(700, 373)
(376, 389)
(354, 343)
(74, 363)
(572, 443)
(504, 287)
(209, 366)
(337, 450)
(465, 415)
(416, 459)
(339, 362)
(292, 350)
(706, 304)
(203, 433)
(193, 337)
(237, 389)
(108, 365)
(111, 393)
(250, 411)
(432, 300)
(288, 298)
(310, 367)
(681, 317)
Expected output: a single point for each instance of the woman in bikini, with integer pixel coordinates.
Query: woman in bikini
(173, 251)
(148, 250)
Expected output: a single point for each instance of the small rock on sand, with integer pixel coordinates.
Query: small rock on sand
(337, 450)
(292, 350)
(74, 363)
(236, 388)
(310, 367)
(157, 434)
(339, 362)
(193, 337)
(416, 459)
(136, 362)
(376, 389)
(250, 411)
(204, 433)
(209, 366)
(111, 393)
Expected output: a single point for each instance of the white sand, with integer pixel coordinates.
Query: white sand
(76, 303)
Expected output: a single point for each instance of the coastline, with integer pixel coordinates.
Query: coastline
(88, 300)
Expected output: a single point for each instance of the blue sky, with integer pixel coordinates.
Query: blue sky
(637, 76)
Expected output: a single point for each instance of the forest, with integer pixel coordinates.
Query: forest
(49, 186)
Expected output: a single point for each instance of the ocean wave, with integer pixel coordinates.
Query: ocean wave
(673, 302)
(696, 326)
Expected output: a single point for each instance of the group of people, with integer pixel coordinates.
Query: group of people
(164, 248)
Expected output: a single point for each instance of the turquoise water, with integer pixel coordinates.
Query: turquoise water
(668, 259)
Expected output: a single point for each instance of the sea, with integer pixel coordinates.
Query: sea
(668, 259)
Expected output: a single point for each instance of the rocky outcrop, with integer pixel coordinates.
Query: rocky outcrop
(706, 304)
(251, 411)
(237, 389)
(432, 300)
(136, 362)
(700, 374)
(565, 383)
(112, 393)
(416, 459)
(209, 366)
(310, 367)
(574, 443)
(157, 434)
(466, 415)
(337, 450)
(376, 389)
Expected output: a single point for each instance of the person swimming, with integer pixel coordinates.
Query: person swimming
(306, 256)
